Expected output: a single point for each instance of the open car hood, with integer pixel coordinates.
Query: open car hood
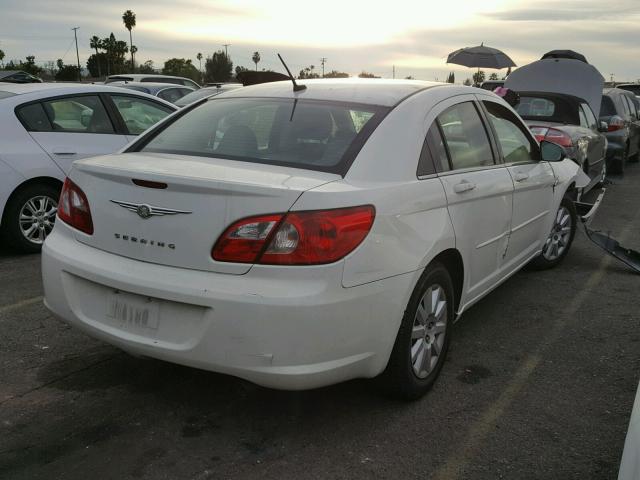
(560, 75)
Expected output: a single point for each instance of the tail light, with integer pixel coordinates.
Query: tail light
(615, 123)
(295, 238)
(73, 208)
(551, 135)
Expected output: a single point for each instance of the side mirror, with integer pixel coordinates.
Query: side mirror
(551, 152)
(603, 127)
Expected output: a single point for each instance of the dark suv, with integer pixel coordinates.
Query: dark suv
(620, 110)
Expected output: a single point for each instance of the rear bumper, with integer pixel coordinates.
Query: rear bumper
(299, 331)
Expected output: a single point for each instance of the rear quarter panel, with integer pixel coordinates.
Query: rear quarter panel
(411, 227)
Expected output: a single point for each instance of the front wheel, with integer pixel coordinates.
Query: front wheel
(557, 245)
(423, 338)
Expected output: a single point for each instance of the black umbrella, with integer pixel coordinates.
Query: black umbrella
(481, 57)
(565, 54)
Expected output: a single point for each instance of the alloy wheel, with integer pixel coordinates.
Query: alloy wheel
(429, 329)
(37, 216)
(560, 235)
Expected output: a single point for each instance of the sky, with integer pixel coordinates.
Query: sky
(353, 35)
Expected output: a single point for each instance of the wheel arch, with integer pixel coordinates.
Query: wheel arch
(44, 180)
(452, 261)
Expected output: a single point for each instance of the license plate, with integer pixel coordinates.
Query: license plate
(132, 311)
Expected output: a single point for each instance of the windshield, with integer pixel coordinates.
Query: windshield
(308, 134)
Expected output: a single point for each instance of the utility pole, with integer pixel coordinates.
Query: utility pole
(394, 72)
(226, 46)
(322, 62)
(75, 35)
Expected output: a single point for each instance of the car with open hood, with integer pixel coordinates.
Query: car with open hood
(560, 100)
(299, 237)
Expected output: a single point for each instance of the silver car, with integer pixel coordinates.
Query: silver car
(170, 93)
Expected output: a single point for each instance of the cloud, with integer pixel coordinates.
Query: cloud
(415, 36)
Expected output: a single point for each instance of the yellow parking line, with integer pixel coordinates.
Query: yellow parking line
(455, 465)
(18, 305)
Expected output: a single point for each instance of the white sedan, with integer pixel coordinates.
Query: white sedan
(44, 127)
(302, 238)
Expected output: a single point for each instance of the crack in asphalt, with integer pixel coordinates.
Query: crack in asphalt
(24, 303)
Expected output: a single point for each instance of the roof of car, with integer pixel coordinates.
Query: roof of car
(353, 90)
(21, 88)
(152, 86)
(25, 92)
(145, 75)
(619, 91)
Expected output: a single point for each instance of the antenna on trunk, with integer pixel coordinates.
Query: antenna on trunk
(296, 87)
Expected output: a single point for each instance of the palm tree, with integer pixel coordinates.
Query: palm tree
(199, 57)
(95, 42)
(134, 50)
(2, 58)
(256, 59)
(129, 19)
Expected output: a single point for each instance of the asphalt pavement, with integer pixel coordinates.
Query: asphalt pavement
(539, 384)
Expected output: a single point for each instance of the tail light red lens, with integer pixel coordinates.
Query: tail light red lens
(296, 238)
(551, 135)
(73, 208)
(615, 123)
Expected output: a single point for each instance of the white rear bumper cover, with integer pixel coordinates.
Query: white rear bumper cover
(299, 331)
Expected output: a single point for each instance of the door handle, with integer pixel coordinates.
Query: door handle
(520, 177)
(463, 186)
(63, 151)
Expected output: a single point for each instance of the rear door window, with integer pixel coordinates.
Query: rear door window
(607, 108)
(630, 106)
(139, 114)
(34, 118)
(83, 114)
(299, 133)
(465, 137)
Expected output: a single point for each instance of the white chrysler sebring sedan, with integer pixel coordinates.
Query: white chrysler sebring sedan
(301, 238)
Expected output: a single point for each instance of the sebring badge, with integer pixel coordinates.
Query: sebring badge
(146, 211)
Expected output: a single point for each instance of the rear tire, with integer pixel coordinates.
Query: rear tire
(423, 339)
(558, 243)
(29, 217)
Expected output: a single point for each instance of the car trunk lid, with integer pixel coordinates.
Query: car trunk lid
(181, 204)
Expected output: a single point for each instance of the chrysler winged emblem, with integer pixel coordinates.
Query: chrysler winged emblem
(146, 211)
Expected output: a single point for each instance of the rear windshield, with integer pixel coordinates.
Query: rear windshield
(309, 134)
(4, 94)
(607, 109)
(118, 79)
(536, 107)
(554, 109)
